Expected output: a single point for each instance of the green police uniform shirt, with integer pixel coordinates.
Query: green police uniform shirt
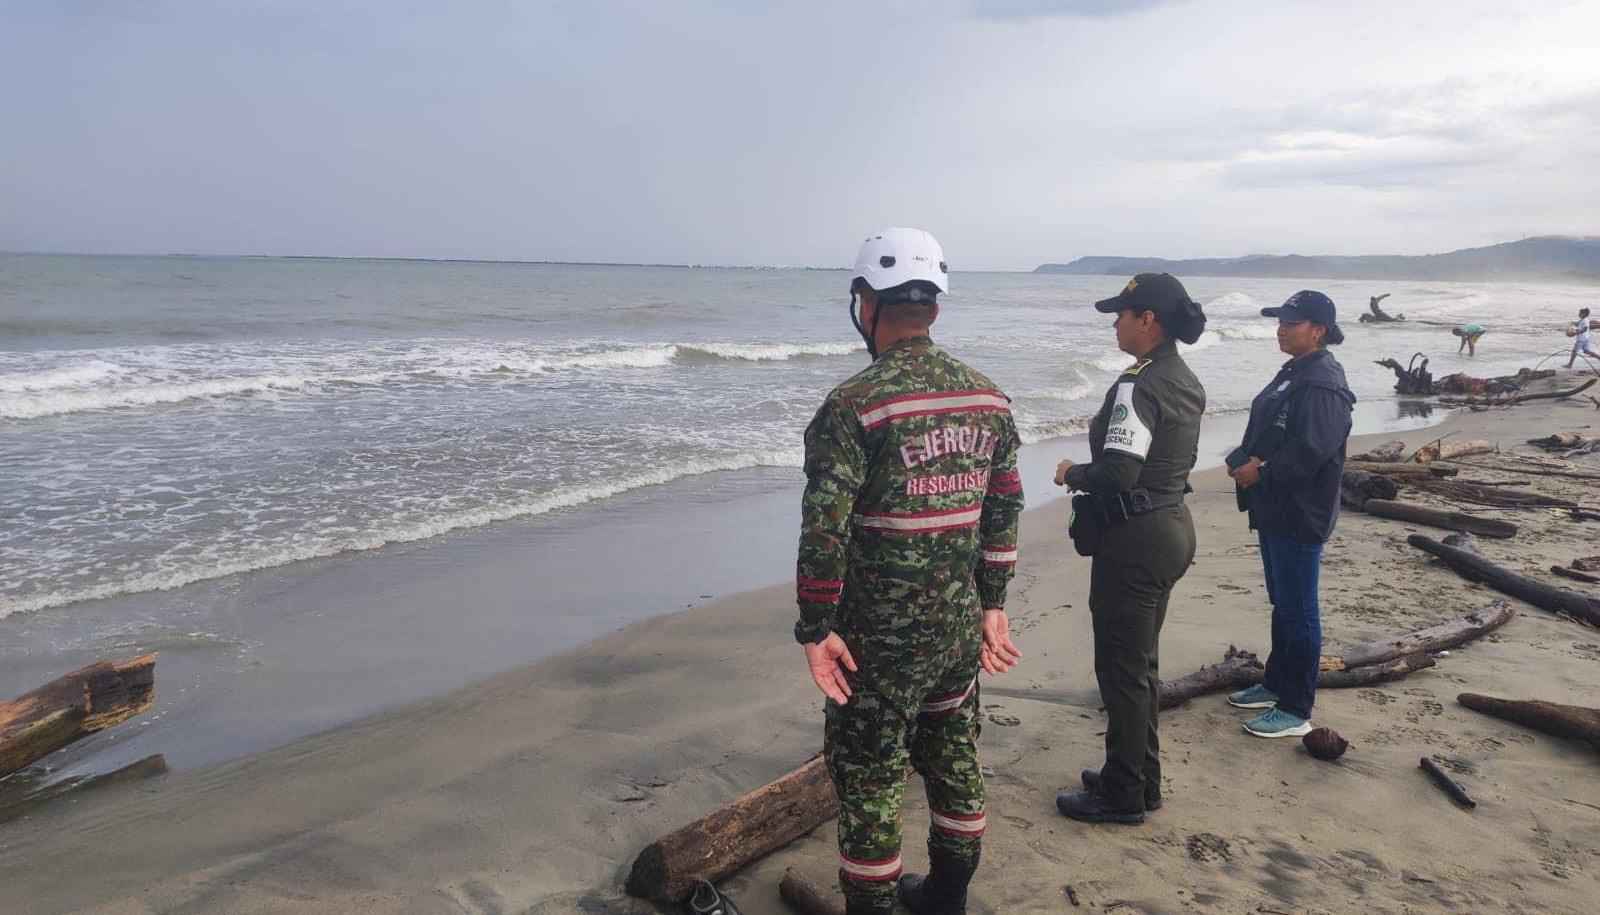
(912, 497)
(1147, 432)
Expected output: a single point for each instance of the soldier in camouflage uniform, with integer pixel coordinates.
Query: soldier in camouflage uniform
(908, 541)
(1143, 444)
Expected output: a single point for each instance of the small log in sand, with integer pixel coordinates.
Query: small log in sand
(1401, 468)
(1573, 722)
(1474, 567)
(806, 897)
(721, 842)
(1440, 450)
(1435, 517)
(1449, 785)
(1237, 670)
(73, 706)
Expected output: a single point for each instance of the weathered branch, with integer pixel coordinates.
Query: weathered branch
(1444, 451)
(1474, 567)
(1401, 469)
(1441, 637)
(1516, 399)
(1448, 784)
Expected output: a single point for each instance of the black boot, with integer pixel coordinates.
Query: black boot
(1152, 795)
(1092, 807)
(944, 890)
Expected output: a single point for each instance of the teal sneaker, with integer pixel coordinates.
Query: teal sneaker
(1257, 696)
(1277, 723)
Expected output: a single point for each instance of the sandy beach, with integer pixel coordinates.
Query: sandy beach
(533, 790)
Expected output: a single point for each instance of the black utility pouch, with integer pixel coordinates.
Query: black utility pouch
(1085, 529)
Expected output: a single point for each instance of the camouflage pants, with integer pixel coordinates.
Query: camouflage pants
(929, 719)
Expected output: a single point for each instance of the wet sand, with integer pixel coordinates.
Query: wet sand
(533, 790)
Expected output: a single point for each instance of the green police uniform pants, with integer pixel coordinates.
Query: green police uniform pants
(1131, 581)
(930, 722)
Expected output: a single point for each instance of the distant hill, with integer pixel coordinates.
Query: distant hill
(1548, 258)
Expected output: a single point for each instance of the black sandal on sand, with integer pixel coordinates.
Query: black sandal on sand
(708, 900)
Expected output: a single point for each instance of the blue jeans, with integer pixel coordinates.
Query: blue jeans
(1291, 565)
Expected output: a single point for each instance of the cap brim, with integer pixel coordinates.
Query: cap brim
(1284, 313)
(1110, 306)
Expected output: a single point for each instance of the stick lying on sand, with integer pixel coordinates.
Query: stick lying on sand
(1516, 399)
(1401, 469)
(1450, 785)
(73, 706)
(1474, 567)
(725, 840)
(1574, 722)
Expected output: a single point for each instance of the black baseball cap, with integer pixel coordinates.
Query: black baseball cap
(1157, 292)
(1309, 305)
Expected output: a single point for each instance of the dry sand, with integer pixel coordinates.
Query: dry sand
(531, 792)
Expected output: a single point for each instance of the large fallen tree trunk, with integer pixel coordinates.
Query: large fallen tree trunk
(720, 843)
(1515, 399)
(1356, 487)
(1573, 722)
(1434, 517)
(1474, 567)
(1441, 637)
(73, 706)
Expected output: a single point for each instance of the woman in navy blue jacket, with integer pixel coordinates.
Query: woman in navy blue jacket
(1287, 472)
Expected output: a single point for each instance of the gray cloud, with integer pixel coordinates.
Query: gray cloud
(1029, 9)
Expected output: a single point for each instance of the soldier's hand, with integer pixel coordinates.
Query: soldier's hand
(1061, 472)
(999, 653)
(826, 658)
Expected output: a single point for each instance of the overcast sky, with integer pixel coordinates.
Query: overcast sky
(762, 132)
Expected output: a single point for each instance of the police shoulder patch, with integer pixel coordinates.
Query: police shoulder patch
(1137, 367)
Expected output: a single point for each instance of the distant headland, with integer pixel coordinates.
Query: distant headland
(1546, 258)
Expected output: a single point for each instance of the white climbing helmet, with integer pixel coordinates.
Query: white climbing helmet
(898, 256)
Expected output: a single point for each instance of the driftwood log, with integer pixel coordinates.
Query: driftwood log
(1387, 452)
(1237, 670)
(1375, 673)
(1441, 637)
(1412, 379)
(1573, 722)
(1576, 575)
(1404, 469)
(1494, 496)
(1440, 450)
(806, 897)
(73, 706)
(1356, 487)
(1474, 567)
(1561, 441)
(1587, 564)
(1434, 517)
(725, 840)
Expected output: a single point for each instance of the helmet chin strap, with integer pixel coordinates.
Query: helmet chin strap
(869, 335)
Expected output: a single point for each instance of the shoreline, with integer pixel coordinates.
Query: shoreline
(532, 790)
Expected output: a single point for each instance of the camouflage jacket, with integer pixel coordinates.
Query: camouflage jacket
(912, 496)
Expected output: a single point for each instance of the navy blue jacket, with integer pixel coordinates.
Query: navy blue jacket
(1298, 427)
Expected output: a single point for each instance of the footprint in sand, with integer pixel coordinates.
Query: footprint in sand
(1204, 846)
(1376, 697)
(1005, 721)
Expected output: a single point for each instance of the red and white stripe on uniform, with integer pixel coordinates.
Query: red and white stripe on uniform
(939, 706)
(1006, 484)
(970, 825)
(999, 555)
(908, 405)
(816, 590)
(873, 871)
(925, 522)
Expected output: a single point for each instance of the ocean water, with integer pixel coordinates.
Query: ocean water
(172, 420)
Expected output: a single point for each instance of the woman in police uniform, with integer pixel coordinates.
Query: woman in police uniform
(1129, 515)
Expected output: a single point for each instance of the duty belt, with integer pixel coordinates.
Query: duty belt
(1115, 508)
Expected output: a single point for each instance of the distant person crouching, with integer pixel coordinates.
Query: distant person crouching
(1469, 334)
(1287, 472)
